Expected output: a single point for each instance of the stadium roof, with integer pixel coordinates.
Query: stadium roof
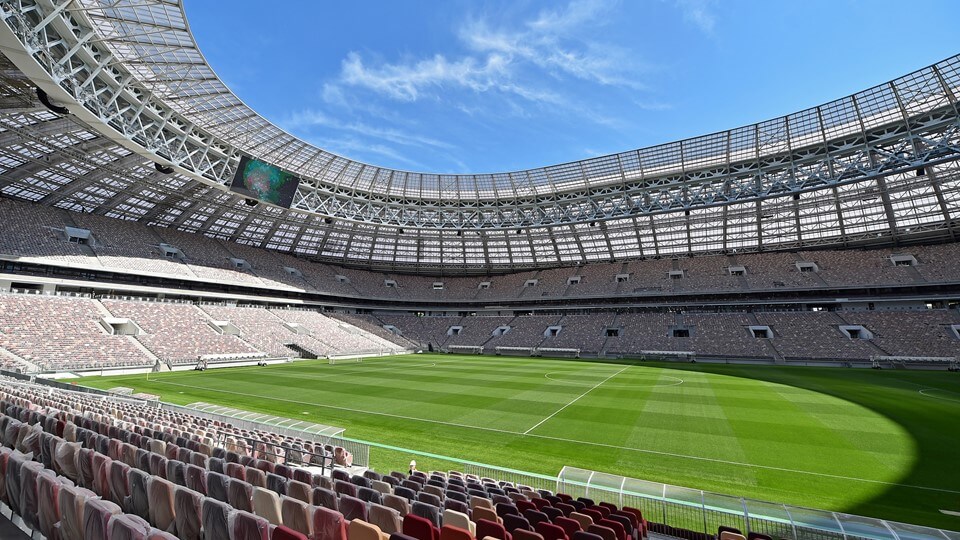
(877, 164)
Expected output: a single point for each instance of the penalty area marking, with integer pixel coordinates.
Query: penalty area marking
(574, 441)
(924, 391)
(677, 381)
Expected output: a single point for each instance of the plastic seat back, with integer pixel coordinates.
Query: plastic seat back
(345, 488)
(353, 508)
(583, 519)
(286, 533)
(240, 495)
(523, 534)
(569, 525)
(326, 498)
(97, 514)
(160, 494)
(128, 527)
(513, 522)
(214, 517)
(66, 459)
(616, 527)
(370, 495)
(426, 511)
(387, 519)
(383, 487)
(460, 520)
(420, 528)
(488, 514)
(118, 477)
(256, 477)
(138, 500)
(328, 524)
(456, 506)
(730, 535)
(218, 486)
(277, 483)
(535, 516)
(177, 472)
(196, 479)
(29, 495)
(247, 526)
(295, 514)
(361, 530)
(551, 531)
(449, 532)
(485, 528)
(266, 504)
(299, 490)
(401, 505)
(48, 493)
(604, 532)
(12, 479)
(188, 510)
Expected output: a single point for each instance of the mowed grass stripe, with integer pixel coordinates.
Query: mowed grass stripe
(489, 401)
(518, 435)
(424, 392)
(876, 448)
(412, 392)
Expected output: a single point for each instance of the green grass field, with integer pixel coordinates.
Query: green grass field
(878, 443)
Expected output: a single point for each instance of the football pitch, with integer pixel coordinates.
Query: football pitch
(878, 443)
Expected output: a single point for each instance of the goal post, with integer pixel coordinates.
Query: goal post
(334, 360)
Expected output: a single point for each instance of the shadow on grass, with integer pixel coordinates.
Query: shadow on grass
(931, 420)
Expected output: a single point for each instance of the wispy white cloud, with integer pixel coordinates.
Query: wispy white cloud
(311, 118)
(361, 149)
(500, 59)
(699, 13)
(408, 81)
(549, 42)
(576, 13)
(546, 64)
(652, 105)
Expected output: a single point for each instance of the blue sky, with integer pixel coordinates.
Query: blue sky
(486, 86)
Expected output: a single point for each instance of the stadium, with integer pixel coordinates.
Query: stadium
(212, 329)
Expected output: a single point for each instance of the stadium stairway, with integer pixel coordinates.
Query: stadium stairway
(877, 348)
(767, 344)
(815, 275)
(615, 323)
(27, 364)
(8, 529)
(742, 280)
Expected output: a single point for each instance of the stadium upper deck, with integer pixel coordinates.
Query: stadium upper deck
(152, 134)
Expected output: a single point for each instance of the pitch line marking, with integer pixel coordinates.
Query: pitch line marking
(592, 388)
(339, 408)
(575, 441)
(323, 375)
(678, 382)
(955, 400)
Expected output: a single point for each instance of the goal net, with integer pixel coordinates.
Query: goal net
(334, 360)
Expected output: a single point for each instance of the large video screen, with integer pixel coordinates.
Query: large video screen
(266, 182)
